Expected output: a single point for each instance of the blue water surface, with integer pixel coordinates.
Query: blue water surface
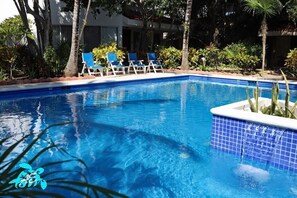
(145, 140)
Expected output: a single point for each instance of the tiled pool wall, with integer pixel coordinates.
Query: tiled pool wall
(62, 87)
(269, 144)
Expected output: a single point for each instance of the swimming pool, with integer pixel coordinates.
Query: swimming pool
(148, 139)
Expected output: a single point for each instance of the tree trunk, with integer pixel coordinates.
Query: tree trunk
(85, 20)
(42, 20)
(185, 51)
(264, 29)
(22, 11)
(71, 68)
(48, 27)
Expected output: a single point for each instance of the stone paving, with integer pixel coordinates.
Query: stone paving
(62, 81)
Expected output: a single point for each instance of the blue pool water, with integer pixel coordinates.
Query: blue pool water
(146, 140)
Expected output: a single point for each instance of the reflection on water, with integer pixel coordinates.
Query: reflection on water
(148, 140)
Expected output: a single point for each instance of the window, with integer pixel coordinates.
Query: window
(109, 35)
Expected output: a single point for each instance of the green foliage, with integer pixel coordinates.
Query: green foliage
(253, 49)
(198, 59)
(12, 31)
(171, 57)
(56, 59)
(263, 7)
(17, 59)
(237, 54)
(213, 56)
(205, 59)
(274, 108)
(291, 61)
(193, 58)
(3, 75)
(56, 178)
(52, 60)
(7, 58)
(63, 52)
(256, 93)
(100, 53)
(292, 11)
(30, 65)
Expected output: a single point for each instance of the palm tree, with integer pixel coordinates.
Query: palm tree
(267, 8)
(71, 68)
(185, 51)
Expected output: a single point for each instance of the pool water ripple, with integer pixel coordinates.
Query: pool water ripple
(145, 140)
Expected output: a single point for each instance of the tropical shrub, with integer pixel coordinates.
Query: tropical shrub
(3, 75)
(237, 54)
(213, 56)
(7, 58)
(100, 53)
(29, 64)
(200, 59)
(12, 31)
(171, 57)
(193, 58)
(291, 61)
(51, 59)
(63, 52)
(56, 59)
(254, 49)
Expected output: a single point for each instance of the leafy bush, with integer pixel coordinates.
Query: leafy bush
(3, 75)
(254, 50)
(291, 61)
(31, 65)
(193, 58)
(208, 58)
(100, 53)
(63, 52)
(12, 31)
(213, 56)
(237, 54)
(7, 58)
(171, 57)
(53, 60)
(198, 58)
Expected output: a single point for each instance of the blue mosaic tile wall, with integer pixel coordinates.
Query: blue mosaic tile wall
(265, 143)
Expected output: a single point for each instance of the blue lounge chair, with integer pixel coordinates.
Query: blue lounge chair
(90, 65)
(136, 64)
(154, 63)
(114, 64)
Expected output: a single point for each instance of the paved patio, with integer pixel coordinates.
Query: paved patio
(57, 82)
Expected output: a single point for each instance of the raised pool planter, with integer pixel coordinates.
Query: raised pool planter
(266, 138)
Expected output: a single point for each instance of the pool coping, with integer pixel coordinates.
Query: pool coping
(237, 110)
(128, 78)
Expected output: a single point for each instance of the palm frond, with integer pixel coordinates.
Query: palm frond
(263, 7)
(56, 178)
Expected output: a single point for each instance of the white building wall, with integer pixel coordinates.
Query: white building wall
(103, 21)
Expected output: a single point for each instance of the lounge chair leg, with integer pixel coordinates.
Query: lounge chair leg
(113, 71)
(135, 70)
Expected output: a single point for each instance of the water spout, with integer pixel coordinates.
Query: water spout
(260, 142)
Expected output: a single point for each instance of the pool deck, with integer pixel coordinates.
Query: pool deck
(118, 78)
